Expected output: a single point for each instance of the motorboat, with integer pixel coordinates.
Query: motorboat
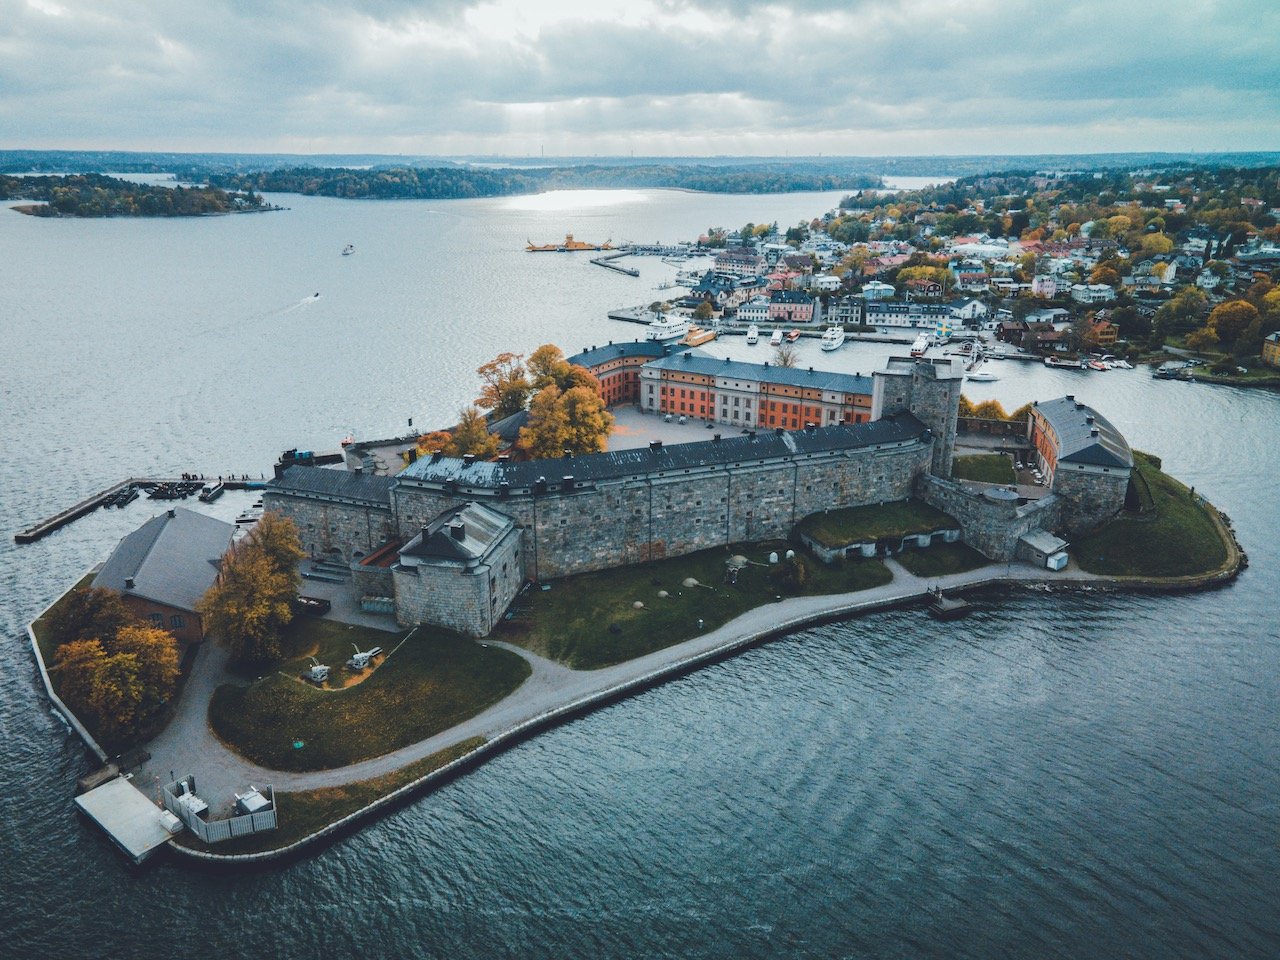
(775, 340)
(793, 336)
(753, 334)
(347, 251)
(833, 337)
(667, 327)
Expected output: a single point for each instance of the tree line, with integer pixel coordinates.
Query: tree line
(96, 195)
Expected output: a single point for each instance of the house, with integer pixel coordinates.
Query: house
(790, 306)
(1208, 280)
(1271, 350)
(823, 283)
(742, 262)
(1044, 286)
(1102, 331)
(968, 310)
(923, 289)
(972, 281)
(163, 568)
(755, 310)
(877, 290)
(1092, 293)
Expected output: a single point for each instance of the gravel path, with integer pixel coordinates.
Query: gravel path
(188, 746)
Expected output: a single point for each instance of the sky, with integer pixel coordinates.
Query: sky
(643, 77)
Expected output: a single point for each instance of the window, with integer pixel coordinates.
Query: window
(177, 622)
(157, 619)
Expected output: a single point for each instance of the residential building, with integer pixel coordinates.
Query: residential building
(1092, 293)
(617, 366)
(1271, 350)
(923, 289)
(742, 262)
(877, 290)
(1044, 286)
(790, 306)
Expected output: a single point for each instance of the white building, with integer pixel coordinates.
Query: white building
(1092, 293)
(877, 290)
(755, 310)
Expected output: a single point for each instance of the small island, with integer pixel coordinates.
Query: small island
(97, 195)
(471, 586)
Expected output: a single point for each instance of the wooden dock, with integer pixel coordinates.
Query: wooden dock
(59, 520)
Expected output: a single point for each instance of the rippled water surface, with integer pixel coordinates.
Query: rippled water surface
(1061, 775)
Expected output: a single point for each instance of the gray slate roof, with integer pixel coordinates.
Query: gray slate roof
(481, 527)
(629, 463)
(172, 559)
(698, 361)
(592, 356)
(347, 485)
(1070, 421)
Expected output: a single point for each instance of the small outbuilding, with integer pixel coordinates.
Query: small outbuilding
(1043, 549)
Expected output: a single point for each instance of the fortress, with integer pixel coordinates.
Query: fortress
(451, 541)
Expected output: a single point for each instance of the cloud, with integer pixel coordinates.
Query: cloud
(653, 76)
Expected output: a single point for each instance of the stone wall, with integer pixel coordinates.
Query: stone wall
(991, 528)
(1094, 494)
(332, 528)
(371, 581)
(655, 516)
(467, 599)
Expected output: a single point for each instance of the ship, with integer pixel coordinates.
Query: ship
(569, 245)
(833, 337)
(697, 336)
(667, 327)
(920, 346)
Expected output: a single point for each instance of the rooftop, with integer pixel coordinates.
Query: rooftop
(698, 361)
(364, 488)
(620, 464)
(464, 533)
(592, 356)
(172, 558)
(1084, 435)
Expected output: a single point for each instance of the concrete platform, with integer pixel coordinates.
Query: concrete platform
(125, 814)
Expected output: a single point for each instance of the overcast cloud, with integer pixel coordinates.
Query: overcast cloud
(642, 76)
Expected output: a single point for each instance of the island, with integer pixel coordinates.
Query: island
(97, 195)
(463, 593)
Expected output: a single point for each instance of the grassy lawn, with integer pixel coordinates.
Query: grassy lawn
(332, 643)
(302, 814)
(433, 681)
(590, 621)
(941, 559)
(1179, 539)
(859, 524)
(984, 468)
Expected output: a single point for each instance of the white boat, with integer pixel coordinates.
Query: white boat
(667, 327)
(348, 250)
(1122, 365)
(753, 334)
(920, 346)
(775, 340)
(833, 337)
(981, 376)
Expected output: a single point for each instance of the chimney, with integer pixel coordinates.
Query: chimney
(566, 482)
(504, 457)
(128, 583)
(413, 454)
(1089, 419)
(359, 469)
(779, 430)
(172, 513)
(715, 438)
(568, 454)
(1093, 432)
(1071, 397)
(458, 530)
(436, 455)
(655, 446)
(426, 532)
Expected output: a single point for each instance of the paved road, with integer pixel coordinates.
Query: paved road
(188, 746)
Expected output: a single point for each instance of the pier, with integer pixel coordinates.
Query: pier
(608, 264)
(102, 497)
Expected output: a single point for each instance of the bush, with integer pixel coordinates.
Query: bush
(790, 575)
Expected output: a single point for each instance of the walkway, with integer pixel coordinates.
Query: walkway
(188, 746)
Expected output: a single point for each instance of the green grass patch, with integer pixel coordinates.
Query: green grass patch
(590, 621)
(984, 468)
(837, 528)
(1177, 538)
(432, 682)
(941, 559)
(303, 813)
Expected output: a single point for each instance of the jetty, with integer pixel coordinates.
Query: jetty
(121, 494)
(608, 264)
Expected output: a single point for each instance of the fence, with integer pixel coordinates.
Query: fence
(215, 831)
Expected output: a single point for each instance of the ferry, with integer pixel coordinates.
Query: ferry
(569, 245)
(667, 328)
(775, 340)
(753, 334)
(920, 345)
(696, 336)
(833, 338)
(1065, 364)
(212, 492)
(793, 336)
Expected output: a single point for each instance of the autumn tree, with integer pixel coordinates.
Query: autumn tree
(156, 653)
(704, 311)
(435, 441)
(88, 614)
(575, 420)
(1230, 320)
(251, 602)
(472, 436)
(548, 367)
(1105, 273)
(504, 385)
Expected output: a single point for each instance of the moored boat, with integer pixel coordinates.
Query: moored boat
(697, 336)
(833, 337)
(212, 492)
(753, 334)
(920, 345)
(667, 327)
(775, 339)
(793, 336)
